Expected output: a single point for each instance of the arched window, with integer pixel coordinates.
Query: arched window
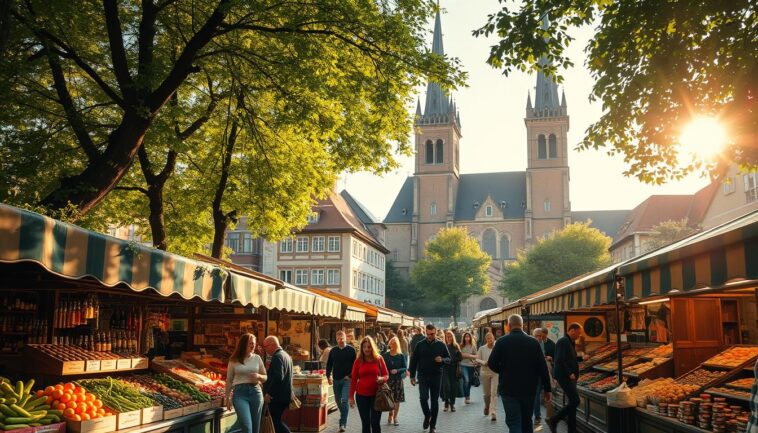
(439, 152)
(489, 242)
(487, 304)
(433, 209)
(541, 147)
(505, 247)
(429, 152)
(552, 146)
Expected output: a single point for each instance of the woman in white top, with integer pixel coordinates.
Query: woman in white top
(488, 378)
(245, 374)
(469, 353)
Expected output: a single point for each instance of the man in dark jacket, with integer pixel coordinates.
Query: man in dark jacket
(416, 339)
(566, 371)
(338, 370)
(549, 345)
(426, 362)
(278, 386)
(519, 361)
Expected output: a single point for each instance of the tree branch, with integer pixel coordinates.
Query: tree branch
(118, 54)
(146, 42)
(132, 188)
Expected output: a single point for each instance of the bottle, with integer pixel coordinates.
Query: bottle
(83, 313)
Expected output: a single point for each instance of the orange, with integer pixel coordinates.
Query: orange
(54, 403)
(68, 412)
(57, 394)
(83, 406)
(89, 397)
(85, 416)
(101, 411)
(65, 398)
(76, 417)
(72, 404)
(49, 400)
(78, 411)
(60, 406)
(39, 393)
(97, 403)
(74, 397)
(68, 386)
(49, 390)
(80, 390)
(59, 386)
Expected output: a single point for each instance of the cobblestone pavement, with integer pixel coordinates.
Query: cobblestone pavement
(468, 418)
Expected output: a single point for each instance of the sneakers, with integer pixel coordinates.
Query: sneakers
(396, 422)
(426, 422)
(452, 408)
(342, 428)
(467, 401)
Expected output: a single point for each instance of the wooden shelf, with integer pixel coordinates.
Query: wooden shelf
(731, 396)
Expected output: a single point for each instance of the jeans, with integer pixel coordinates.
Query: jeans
(538, 400)
(568, 412)
(429, 386)
(518, 413)
(248, 403)
(370, 418)
(341, 391)
(467, 373)
(276, 409)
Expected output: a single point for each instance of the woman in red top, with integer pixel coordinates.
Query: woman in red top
(369, 372)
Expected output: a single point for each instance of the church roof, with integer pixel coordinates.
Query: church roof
(402, 209)
(508, 187)
(607, 221)
(546, 101)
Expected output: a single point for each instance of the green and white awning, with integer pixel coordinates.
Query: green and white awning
(72, 252)
(248, 291)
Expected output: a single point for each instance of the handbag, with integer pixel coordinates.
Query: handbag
(294, 403)
(475, 382)
(383, 401)
(267, 424)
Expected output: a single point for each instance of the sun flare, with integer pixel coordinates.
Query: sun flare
(703, 138)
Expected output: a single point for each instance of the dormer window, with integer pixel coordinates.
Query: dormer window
(404, 211)
(313, 218)
(503, 204)
(476, 205)
(488, 211)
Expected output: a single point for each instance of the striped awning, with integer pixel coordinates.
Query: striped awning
(407, 321)
(72, 252)
(326, 307)
(249, 291)
(292, 299)
(354, 315)
(724, 254)
(384, 317)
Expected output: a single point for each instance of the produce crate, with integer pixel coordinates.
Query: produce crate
(313, 419)
(173, 413)
(292, 418)
(152, 414)
(219, 402)
(187, 410)
(106, 424)
(129, 419)
(204, 406)
(59, 427)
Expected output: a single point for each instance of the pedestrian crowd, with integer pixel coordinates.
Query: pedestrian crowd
(519, 369)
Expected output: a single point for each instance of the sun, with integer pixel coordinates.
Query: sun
(703, 138)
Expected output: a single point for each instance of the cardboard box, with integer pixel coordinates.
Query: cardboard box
(107, 365)
(152, 414)
(106, 424)
(92, 365)
(219, 402)
(186, 410)
(128, 419)
(139, 363)
(124, 364)
(204, 406)
(173, 413)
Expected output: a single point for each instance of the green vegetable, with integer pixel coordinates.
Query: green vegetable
(19, 389)
(14, 426)
(34, 403)
(20, 420)
(29, 385)
(6, 410)
(20, 410)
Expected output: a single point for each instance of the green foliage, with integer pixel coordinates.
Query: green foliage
(668, 232)
(570, 252)
(453, 268)
(403, 296)
(655, 65)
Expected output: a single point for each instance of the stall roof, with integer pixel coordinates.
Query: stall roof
(367, 309)
(72, 252)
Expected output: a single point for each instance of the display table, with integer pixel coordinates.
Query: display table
(648, 422)
(593, 414)
(200, 422)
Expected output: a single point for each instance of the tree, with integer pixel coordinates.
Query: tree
(564, 254)
(403, 296)
(83, 84)
(453, 268)
(668, 232)
(656, 65)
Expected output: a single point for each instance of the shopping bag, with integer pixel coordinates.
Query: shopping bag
(621, 397)
(294, 403)
(383, 401)
(267, 424)
(475, 381)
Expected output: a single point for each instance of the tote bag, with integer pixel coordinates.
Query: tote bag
(383, 401)
(267, 424)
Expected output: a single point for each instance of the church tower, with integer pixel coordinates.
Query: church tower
(547, 175)
(437, 171)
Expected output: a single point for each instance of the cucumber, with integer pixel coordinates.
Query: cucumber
(20, 420)
(19, 389)
(55, 412)
(24, 399)
(20, 411)
(44, 406)
(53, 418)
(38, 413)
(7, 388)
(9, 427)
(36, 424)
(11, 401)
(34, 403)
(29, 385)
(6, 410)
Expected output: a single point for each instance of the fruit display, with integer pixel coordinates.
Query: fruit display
(217, 390)
(604, 385)
(730, 392)
(190, 390)
(700, 377)
(19, 408)
(212, 375)
(645, 366)
(117, 395)
(733, 357)
(149, 386)
(180, 369)
(71, 353)
(665, 351)
(612, 365)
(75, 402)
(746, 383)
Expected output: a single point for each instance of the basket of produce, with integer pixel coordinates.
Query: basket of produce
(181, 371)
(173, 401)
(733, 357)
(20, 408)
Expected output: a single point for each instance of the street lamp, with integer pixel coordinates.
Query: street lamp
(618, 285)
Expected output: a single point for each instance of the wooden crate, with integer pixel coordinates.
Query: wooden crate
(105, 424)
(313, 419)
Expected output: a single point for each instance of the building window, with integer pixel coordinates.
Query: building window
(429, 152)
(318, 244)
(285, 275)
(334, 244)
(505, 247)
(233, 241)
(729, 185)
(285, 246)
(546, 205)
(317, 277)
(552, 146)
(541, 147)
(302, 244)
(333, 277)
(433, 209)
(751, 186)
(301, 277)
(488, 211)
(313, 217)
(439, 153)
(395, 255)
(355, 279)
(489, 242)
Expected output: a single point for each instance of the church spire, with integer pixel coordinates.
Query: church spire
(546, 102)
(438, 105)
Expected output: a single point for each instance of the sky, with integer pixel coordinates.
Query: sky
(492, 109)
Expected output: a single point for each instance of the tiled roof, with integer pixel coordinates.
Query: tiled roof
(655, 210)
(402, 209)
(508, 187)
(360, 210)
(607, 221)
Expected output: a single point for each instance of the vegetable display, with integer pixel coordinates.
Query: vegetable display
(190, 390)
(215, 391)
(75, 402)
(151, 386)
(117, 395)
(19, 408)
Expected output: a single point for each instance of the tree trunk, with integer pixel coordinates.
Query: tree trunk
(220, 219)
(87, 189)
(157, 223)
